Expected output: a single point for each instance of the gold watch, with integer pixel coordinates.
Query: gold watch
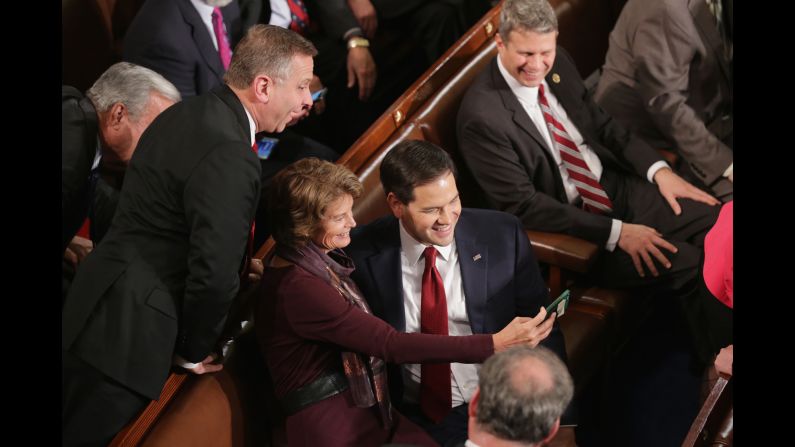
(357, 41)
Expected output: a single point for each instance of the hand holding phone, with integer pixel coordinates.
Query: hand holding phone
(560, 304)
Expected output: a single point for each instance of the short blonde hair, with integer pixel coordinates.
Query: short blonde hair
(299, 194)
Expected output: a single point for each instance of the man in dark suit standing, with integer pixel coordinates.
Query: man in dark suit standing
(485, 263)
(541, 149)
(157, 290)
(100, 131)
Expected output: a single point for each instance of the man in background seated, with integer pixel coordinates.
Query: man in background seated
(521, 395)
(668, 77)
(542, 150)
(487, 274)
(156, 292)
(99, 133)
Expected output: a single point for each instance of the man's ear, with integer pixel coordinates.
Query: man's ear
(263, 88)
(472, 411)
(116, 115)
(552, 432)
(498, 40)
(397, 207)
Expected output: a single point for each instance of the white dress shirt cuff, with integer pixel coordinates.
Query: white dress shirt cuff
(654, 168)
(615, 232)
(179, 361)
(729, 172)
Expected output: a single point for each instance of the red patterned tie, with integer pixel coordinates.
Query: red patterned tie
(593, 195)
(220, 35)
(435, 393)
(298, 15)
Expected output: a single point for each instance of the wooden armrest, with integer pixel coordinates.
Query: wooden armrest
(564, 251)
(133, 433)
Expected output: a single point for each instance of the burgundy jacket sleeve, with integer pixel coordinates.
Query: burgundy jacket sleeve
(317, 311)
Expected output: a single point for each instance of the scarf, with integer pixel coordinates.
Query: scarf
(366, 375)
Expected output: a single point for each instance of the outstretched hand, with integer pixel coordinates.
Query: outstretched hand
(673, 187)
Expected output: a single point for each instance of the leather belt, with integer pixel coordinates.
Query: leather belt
(319, 389)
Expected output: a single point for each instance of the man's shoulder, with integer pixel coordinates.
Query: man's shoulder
(366, 237)
(488, 221)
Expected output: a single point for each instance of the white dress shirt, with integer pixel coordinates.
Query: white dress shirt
(528, 98)
(280, 14)
(464, 377)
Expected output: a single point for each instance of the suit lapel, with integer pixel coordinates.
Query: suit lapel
(512, 104)
(523, 121)
(705, 22)
(204, 42)
(473, 259)
(387, 273)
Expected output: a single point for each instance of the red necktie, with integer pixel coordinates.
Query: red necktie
(250, 248)
(220, 35)
(593, 195)
(435, 393)
(298, 15)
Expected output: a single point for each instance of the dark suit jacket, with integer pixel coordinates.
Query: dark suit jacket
(512, 164)
(169, 37)
(167, 271)
(504, 282)
(79, 144)
(667, 77)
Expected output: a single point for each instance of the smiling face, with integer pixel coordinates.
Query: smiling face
(335, 227)
(527, 55)
(431, 217)
(288, 98)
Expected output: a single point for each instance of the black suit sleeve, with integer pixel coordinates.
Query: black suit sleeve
(334, 16)
(78, 147)
(220, 199)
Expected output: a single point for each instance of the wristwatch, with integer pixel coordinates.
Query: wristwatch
(357, 41)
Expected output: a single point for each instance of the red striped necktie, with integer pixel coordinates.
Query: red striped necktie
(435, 392)
(593, 195)
(298, 15)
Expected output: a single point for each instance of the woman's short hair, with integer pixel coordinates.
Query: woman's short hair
(299, 194)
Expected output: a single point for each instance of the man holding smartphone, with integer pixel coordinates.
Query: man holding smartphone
(432, 257)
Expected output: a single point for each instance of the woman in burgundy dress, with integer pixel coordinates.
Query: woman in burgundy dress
(325, 350)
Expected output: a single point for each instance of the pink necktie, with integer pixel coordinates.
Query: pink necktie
(593, 195)
(220, 36)
(435, 392)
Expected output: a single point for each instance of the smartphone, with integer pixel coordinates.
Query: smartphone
(560, 304)
(320, 94)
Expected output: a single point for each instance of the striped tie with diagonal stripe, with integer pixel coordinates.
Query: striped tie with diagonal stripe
(593, 195)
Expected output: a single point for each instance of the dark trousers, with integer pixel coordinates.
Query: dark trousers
(637, 201)
(94, 406)
(450, 432)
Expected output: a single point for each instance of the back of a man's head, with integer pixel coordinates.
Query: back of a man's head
(523, 392)
(527, 15)
(131, 85)
(413, 163)
(268, 50)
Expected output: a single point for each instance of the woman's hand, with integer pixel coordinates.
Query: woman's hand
(524, 331)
